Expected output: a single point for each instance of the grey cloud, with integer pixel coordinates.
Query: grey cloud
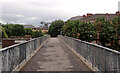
(25, 11)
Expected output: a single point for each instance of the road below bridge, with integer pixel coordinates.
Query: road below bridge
(55, 56)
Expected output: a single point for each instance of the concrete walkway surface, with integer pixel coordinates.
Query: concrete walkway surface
(55, 56)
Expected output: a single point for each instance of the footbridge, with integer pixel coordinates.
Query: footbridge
(59, 54)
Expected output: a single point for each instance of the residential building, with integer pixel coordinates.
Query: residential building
(89, 17)
(36, 29)
(92, 18)
(43, 28)
(28, 26)
(32, 27)
(76, 18)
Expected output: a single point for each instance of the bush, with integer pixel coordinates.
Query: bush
(55, 28)
(37, 33)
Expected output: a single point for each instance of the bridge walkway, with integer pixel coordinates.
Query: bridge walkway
(55, 56)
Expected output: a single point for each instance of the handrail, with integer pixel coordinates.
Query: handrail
(13, 56)
(105, 59)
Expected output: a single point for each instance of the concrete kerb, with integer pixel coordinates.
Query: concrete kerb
(88, 64)
(19, 67)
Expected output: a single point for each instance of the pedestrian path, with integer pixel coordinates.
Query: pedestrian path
(55, 56)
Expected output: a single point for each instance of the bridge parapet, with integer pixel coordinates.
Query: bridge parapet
(104, 59)
(11, 57)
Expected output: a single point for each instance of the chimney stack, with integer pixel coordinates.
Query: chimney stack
(89, 14)
(117, 13)
(83, 16)
(107, 14)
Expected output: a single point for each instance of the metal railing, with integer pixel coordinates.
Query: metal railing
(105, 59)
(13, 56)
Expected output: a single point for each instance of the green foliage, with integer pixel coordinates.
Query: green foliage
(55, 28)
(107, 33)
(87, 32)
(116, 22)
(79, 29)
(18, 30)
(28, 31)
(71, 28)
(37, 33)
(4, 35)
(14, 29)
(0, 36)
(100, 19)
(104, 30)
(8, 29)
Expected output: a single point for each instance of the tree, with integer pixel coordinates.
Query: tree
(107, 33)
(71, 28)
(14, 29)
(18, 30)
(98, 24)
(79, 29)
(28, 31)
(4, 35)
(37, 33)
(87, 31)
(8, 29)
(116, 22)
(55, 28)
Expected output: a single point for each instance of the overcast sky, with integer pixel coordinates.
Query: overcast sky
(35, 11)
